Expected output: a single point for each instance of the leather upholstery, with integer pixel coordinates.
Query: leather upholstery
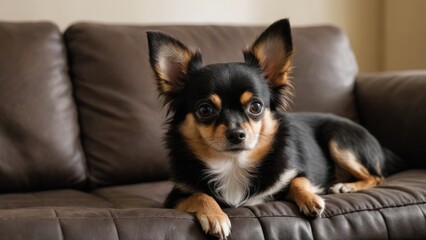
(143, 195)
(39, 142)
(393, 107)
(395, 210)
(120, 121)
(118, 104)
(52, 198)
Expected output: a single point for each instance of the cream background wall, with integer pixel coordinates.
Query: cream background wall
(363, 20)
(405, 35)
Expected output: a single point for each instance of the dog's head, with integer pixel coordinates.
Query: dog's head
(225, 109)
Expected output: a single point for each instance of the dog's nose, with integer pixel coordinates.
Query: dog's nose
(235, 135)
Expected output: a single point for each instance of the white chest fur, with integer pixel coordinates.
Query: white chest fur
(232, 177)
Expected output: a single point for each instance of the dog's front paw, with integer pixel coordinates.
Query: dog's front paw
(311, 205)
(341, 188)
(217, 224)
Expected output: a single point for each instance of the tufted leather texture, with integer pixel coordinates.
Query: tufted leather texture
(117, 99)
(39, 144)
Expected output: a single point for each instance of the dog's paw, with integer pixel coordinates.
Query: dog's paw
(217, 224)
(341, 188)
(312, 205)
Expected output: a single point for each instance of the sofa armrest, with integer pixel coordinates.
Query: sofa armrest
(392, 106)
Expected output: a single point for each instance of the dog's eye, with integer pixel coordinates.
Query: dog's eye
(255, 107)
(205, 110)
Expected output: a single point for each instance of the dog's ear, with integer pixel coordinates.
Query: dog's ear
(171, 61)
(273, 52)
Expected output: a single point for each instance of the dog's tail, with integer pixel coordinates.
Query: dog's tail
(393, 164)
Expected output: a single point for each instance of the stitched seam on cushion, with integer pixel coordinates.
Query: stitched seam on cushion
(258, 220)
(362, 210)
(312, 230)
(81, 218)
(350, 212)
(376, 209)
(189, 219)
(59, 222)
(115, 225)
(386, 224)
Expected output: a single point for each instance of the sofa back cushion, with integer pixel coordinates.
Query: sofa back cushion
(39, 142)
(121, 118)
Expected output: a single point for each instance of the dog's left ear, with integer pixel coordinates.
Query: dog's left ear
(273, 52)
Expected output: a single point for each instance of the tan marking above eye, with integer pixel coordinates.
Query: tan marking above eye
(216, 100)
(245, 97)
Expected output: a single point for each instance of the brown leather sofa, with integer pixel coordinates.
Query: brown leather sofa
(80, 136)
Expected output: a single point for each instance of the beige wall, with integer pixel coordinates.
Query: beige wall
(405, 35)
(363, 20)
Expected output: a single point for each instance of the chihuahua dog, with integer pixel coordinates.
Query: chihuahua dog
(231, 143)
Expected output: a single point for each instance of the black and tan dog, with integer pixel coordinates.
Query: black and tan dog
(232, 144)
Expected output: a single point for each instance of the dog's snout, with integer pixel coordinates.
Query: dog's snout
(235, 135)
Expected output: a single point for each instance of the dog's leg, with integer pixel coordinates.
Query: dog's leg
(211, 217)
(347, 160)
(304, 194)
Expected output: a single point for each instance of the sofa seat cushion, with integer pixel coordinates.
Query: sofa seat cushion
(142, 195)
(396, 209)
(54, 198)
(405, 188)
